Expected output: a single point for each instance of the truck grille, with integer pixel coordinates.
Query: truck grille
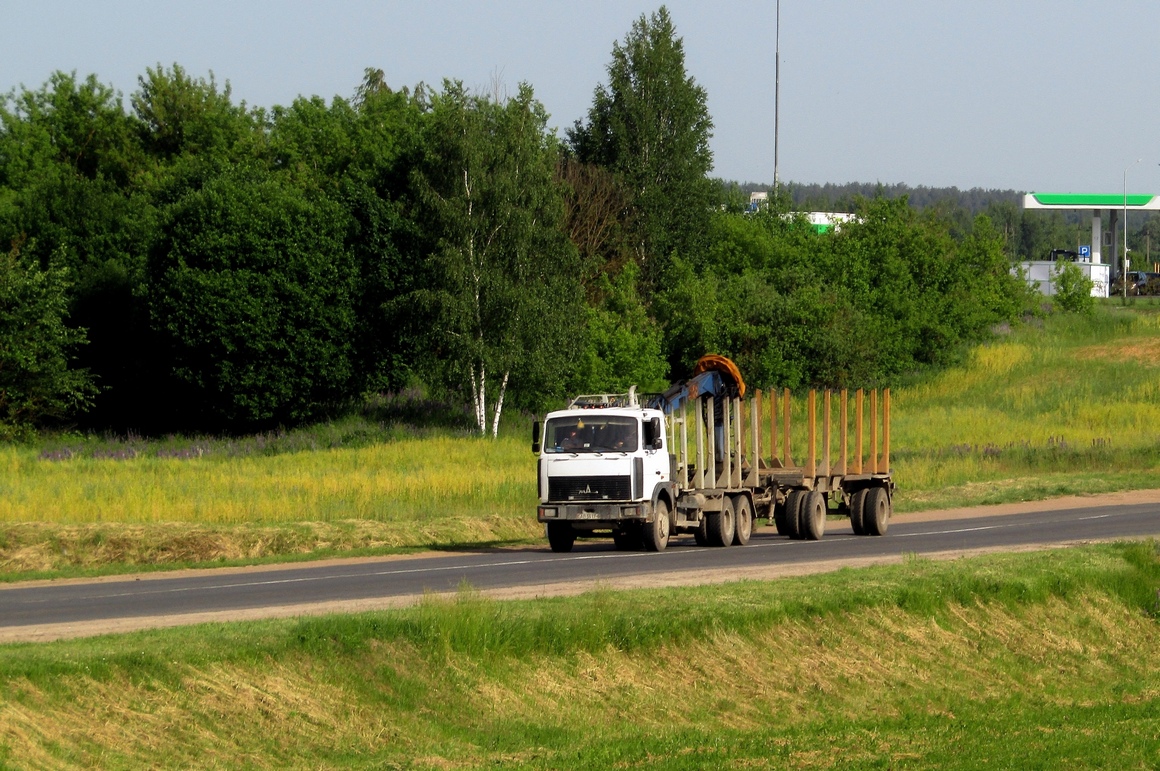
(590, 488)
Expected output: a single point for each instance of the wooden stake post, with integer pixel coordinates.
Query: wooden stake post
(787, 456)
(858, 430)
(826, 433)
(754, 476)
(774, 461)
(843, 439)
(886, 431)
(812, 462)
(738, 442)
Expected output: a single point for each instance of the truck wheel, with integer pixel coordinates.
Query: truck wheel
(876, 511)
(701, 534)
(812, 516)
(721, 524)
(628, 540)
(779, 521)
(857, 499)
(792, 504)
(656, 533)
(561, 536)
(742, 520)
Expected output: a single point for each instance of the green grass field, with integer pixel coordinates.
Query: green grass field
(1069, 405)
(1042, 660)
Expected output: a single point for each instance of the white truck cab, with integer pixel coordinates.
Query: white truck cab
(604, 465)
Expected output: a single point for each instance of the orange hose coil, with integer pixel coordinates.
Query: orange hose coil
(713, 363)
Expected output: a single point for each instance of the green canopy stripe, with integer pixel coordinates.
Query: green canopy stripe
(1090, 200)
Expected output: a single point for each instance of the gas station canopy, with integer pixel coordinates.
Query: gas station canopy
(1104, 207)
(1075, 201)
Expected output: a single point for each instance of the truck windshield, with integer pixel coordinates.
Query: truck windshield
(592, 433)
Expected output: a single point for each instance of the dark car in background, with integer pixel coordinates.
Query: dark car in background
(1139, 283)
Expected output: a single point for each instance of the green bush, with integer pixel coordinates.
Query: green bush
(36, 382)
(1073, 290)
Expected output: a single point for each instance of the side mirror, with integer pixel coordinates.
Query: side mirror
(536, 436)
(656, 440)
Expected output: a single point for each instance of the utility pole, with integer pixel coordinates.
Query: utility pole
(1124, 275)
(776, 89)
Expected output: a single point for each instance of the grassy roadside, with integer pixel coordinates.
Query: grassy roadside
(1069, 406)
(1048, 658)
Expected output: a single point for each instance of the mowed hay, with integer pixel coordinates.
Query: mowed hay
(1145, 352)
(218, 716)
(857, 664)
(389, 702)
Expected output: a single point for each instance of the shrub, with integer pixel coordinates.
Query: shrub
(1073, 290)
(36, 382)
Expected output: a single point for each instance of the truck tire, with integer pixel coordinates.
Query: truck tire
(561, 536)
(701, 534)
(876, 511)
(792, 505)
(779, 521)
(656, 533)
(857, 499)
(721, 524)
(812, 516)
(742, 520)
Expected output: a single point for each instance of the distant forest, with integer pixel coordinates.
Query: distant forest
(834, 197)
(1029, 235)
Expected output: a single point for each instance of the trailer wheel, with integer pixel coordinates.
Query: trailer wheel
(812, 516)
(857, 500)
(742, 520)
(561, 536)
(876, 511)
(793, 503)
(656, 533)
(779, 520)
(721, 524)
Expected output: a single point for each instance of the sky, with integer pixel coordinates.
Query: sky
(1039, 95)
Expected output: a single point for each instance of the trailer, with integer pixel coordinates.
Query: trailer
(641, 468)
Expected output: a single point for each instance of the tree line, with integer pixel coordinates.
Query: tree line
(191, 263)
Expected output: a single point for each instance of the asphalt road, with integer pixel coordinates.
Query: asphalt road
(210, 591)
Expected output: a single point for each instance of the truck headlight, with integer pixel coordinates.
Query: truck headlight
(547, 513)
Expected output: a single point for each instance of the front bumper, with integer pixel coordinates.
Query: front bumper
(595, 516)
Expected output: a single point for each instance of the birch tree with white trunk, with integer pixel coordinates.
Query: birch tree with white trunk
(502, 278)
